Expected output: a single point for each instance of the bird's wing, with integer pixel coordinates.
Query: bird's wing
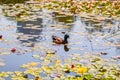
(59, 40)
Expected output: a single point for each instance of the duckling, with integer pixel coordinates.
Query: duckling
(59, 40)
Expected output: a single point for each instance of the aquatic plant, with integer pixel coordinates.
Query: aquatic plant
(82, 67)
(11, 1)
(91, 8)
(106, 8)
(93, 68)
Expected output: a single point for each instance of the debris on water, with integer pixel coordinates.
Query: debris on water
(52, 26)
(67, 71)
(63, 32)
(77, 75)
(51, 61)
(4, 53)
(85, 79)
(1, 36)
(50, 52)
(37, 78)
(72, 66)
(53, 15)
(116, 57)
(13, 50)
(53, 75)
(25, 75)
(104, 53)
(2, 64)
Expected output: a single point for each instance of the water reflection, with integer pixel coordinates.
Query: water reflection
(91, 30)
(34, 32)
(66, 48)
(65, 19)
(85, 36)
(99, 26)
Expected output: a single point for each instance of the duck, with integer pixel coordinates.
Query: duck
(59, 40)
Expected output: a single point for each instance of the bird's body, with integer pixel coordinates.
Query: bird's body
(59, 40)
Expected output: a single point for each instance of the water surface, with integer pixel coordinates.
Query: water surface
(34, 37)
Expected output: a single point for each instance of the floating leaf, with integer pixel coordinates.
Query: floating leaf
(2, 64)
(36, 56)
(4, 74)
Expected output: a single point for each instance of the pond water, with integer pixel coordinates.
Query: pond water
(34, 37)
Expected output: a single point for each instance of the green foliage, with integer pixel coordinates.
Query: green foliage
(11, 1)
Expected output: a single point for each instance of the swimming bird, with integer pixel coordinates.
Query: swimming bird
(59, 40)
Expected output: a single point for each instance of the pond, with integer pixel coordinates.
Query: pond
(34, 37)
